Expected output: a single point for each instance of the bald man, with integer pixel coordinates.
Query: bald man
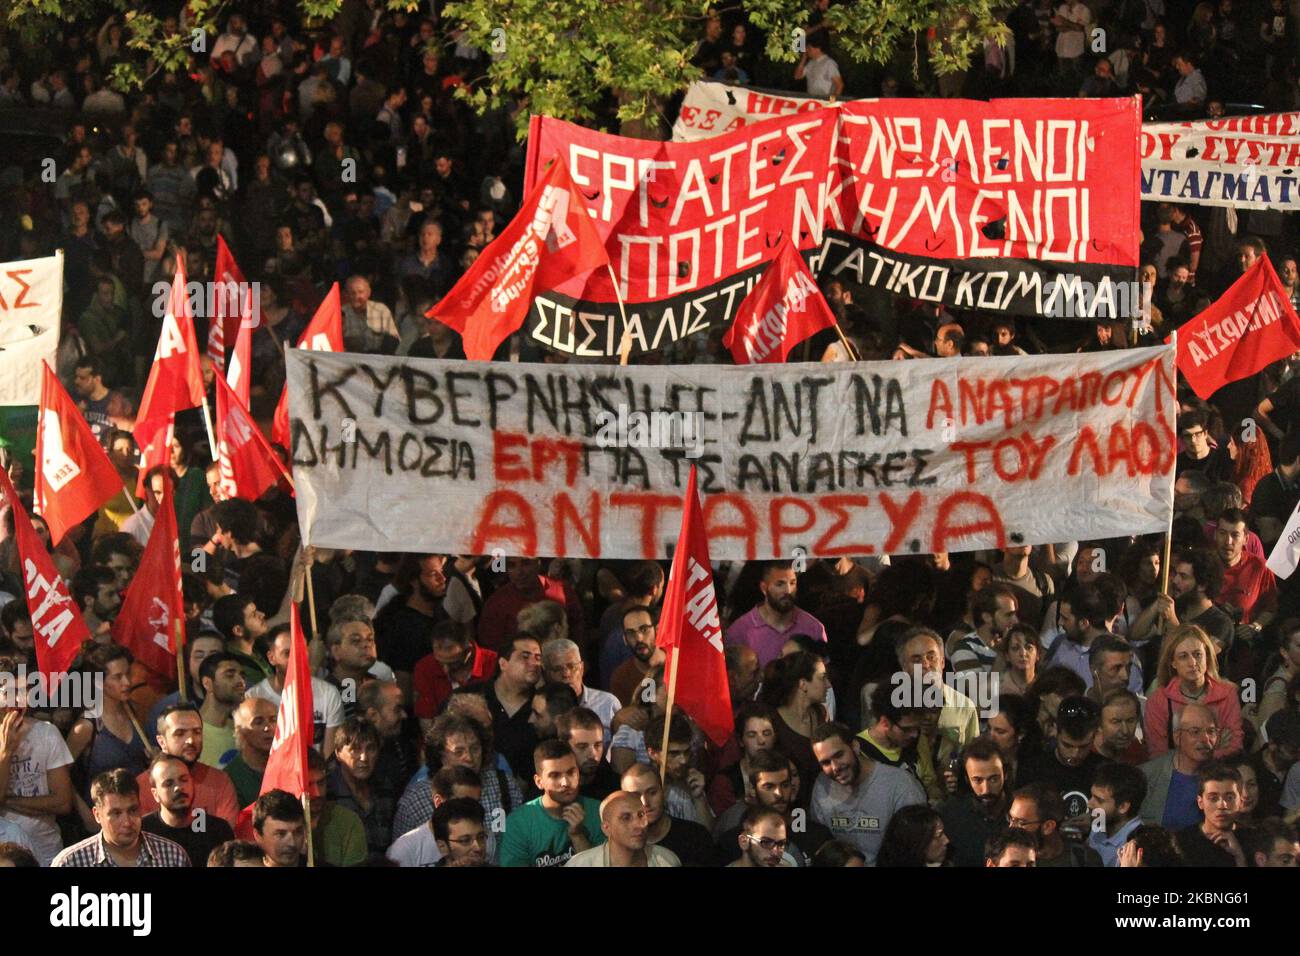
(949, 340)
(686, 839)
(1173, 779)
(624, 823)
(254, 731)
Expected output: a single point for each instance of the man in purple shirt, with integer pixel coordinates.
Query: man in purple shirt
(770, 624)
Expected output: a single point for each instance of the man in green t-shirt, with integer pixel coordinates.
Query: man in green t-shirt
(561, 822)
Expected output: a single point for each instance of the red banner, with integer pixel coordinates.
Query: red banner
(153, 606)
(286, 767)
(176, 378)
(246, 464)
(785, 308)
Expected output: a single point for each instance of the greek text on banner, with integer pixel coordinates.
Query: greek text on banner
(427, 455)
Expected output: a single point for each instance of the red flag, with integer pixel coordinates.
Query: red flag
(1251, 326)
(784, 308)
(550, 240)
(232, 304)
(176, 379)
(245, 461)
(689, 625)
(155, 442)
(56, 620)
(239, 375)
(286, 767)
(75, 477)
(146, 624)
(324, 333)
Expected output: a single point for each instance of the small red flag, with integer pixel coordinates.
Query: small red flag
(324, 333)
(689, 625)
(75, 477)
(239, 374)
(286, 767)
(155, 442)
(784, 308)
(246, 464)
(1251, 326)
(232, 304)
(550, 240)
(176, 379)
(57, 623)
(152, 606)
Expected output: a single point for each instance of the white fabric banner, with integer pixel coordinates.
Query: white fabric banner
(710, 109)
(1246, 162)
(1286, 553)
(427, 455)
(31, 301)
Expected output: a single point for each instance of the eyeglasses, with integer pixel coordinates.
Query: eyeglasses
(477, 839)
(1018, 823)
(565, 668)
(632, 633)
(768, 844)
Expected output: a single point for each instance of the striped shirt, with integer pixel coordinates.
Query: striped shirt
(972, 649)
(155, 851)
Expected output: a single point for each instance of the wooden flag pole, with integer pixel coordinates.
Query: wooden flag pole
(180, 660)
(311, 600)
(625, 344)
(668, 717)
(207, 423)
(149, 748)
(130, 499)
(1169, 533)
(852, 353)
(306, 811)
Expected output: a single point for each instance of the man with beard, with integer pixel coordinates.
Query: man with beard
(379, 703)
(459, 833)
(525, 586)
(1273, 763)
(689, 842)
(180, 734)
(1116, 738)
(994, 608)
(96, 593)
(762, 839)
(1117, 792)
(978, 811)
(624, 821)
(643, 589)
(582, 730)
(1039, 811)
(892, 735)
(1248, 585)
(1071, 763)
(1213, 842)
(639, 635)
(121, 841)
(255, 720)
(1085, 614)
(1111, 662)
(510, 699)
(744, 676)
(326, 701)
(773, 787)
(222, 678)
(550, 701)
(404, 627)
(173, 791)
(1194, 586)
(1173, 782)
(548, 831)
(855, 796)
(768, 625)
(242, 624)
(457, 660)
(562, 663)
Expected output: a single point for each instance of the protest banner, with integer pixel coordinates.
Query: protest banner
(710, 109)
(31, 302)
(1246, 162)
(394, 454)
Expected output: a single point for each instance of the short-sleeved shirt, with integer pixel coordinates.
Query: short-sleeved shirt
(656, 856)
(198, 840)
(821, 74)
(41, 751)
(416, 848)
(972, 649)
(219, 747)
(766, 641)
(535, 838)
(326, 705)
(1250, 586)
(213, 793)
(861, 816)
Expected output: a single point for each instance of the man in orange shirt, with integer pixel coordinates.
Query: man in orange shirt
(180, 733)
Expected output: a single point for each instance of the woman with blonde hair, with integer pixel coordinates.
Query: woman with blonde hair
(1189, 674)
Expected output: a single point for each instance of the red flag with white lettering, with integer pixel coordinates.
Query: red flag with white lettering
(784, 308)
(152, 606)
(689, 626)
(551, 240)
(74, 477)
(246, 464)
(324, 333)
(1251, 326)
(286, 767)
(232, 304)
(239, 374)
(155, 442)
(176, 379)
(57, 624)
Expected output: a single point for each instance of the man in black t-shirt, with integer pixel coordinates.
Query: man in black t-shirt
(404, 628)
(1071, 763)
(773, 787)
(1198, 453)
(1276, 495)
(691, 842)
(176, 819)
(1213, 842)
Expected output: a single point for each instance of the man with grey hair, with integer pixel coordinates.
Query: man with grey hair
(368, 326)
(562, 662)
(352, 657)
(544, 620)
(1173, 781)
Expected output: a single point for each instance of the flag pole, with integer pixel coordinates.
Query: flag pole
(311, 599)
(852, 353)
(180, 660)
(1173, 479)
(625, 345)
(306, 810)
(668, 716)
(207, 423)
(130, 499)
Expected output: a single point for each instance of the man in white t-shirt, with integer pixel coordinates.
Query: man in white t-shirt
(1073, 22)
(420, 846)
(821, 72)
(326, 702)
(35, 780)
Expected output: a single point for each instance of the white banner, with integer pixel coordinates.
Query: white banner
(31, 301)
(1247, 162)
(1286, 552)
(427, 455)
(711, 109)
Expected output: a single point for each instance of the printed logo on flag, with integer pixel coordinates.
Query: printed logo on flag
(57, 465)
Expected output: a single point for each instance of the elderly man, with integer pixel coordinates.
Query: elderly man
(1173, 778)
(624, 821)
(368, 326)
(562, 663)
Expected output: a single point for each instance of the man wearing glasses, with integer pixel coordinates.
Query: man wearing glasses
(762, 839)
(562, 664)
(1199, 451)
(639, 635)
(1173, 780)
(1039, 811)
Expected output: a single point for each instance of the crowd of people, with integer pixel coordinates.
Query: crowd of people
(1050, 705)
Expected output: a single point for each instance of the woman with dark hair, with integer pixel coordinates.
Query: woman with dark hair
(1018, 659)
(838, 853)
(1009, 728)
(190, 494)
(914, 837)
(795, 688)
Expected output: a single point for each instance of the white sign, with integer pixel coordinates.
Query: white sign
(31, 301)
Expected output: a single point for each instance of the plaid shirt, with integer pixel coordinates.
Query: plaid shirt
(155, 851)
(416, 806)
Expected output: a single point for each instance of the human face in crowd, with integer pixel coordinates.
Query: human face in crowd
(433, 577)
(523, 573)
(117, 681)
(678, 760)
(625, 822)
(122, 566)
(256, 723)
(107, 601)
(779, 588)
(1072, 751)
(1190, 662)
(765, 844)
(923, 652)
(903, 734)
(254, 622)
(182, 736)
(774, 790)
(838, 760)
(540, 718)
(651, 792)
(588, 744)
(986, 781)
(567, 668)
(359, 759)
(1119, 723)
(228, 684)
(1003, 735)
(1070, 624)
(758, 734)
(1230, 540)
(118, 816)
(358, 293)
(523, 667)
(1246, 255)
(558, 780)
(1023, 815)
(200, 648)
(1102, 800)
(639, 635)
(1249, 792)
(388, 717)
(22, 636)
(356, 647)
(1179, 276)
(1219, 802)
(1197, 735)
(1112, 671)
(1003, 618)
(462, 750)
(1015, 856)
(172, 786)
(819, 685)
(1289, 274)
(452, 654)
(466, 844)
(1184, 578)
(936, 851)
(1196, 441)
(1021, 652)
(1282, 853)
(283, 841)
(85, 383)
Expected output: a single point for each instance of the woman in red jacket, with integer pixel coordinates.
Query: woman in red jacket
(1188, 674)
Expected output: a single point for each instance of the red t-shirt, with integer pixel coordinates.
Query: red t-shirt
(433, 686)
(1249, 585)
